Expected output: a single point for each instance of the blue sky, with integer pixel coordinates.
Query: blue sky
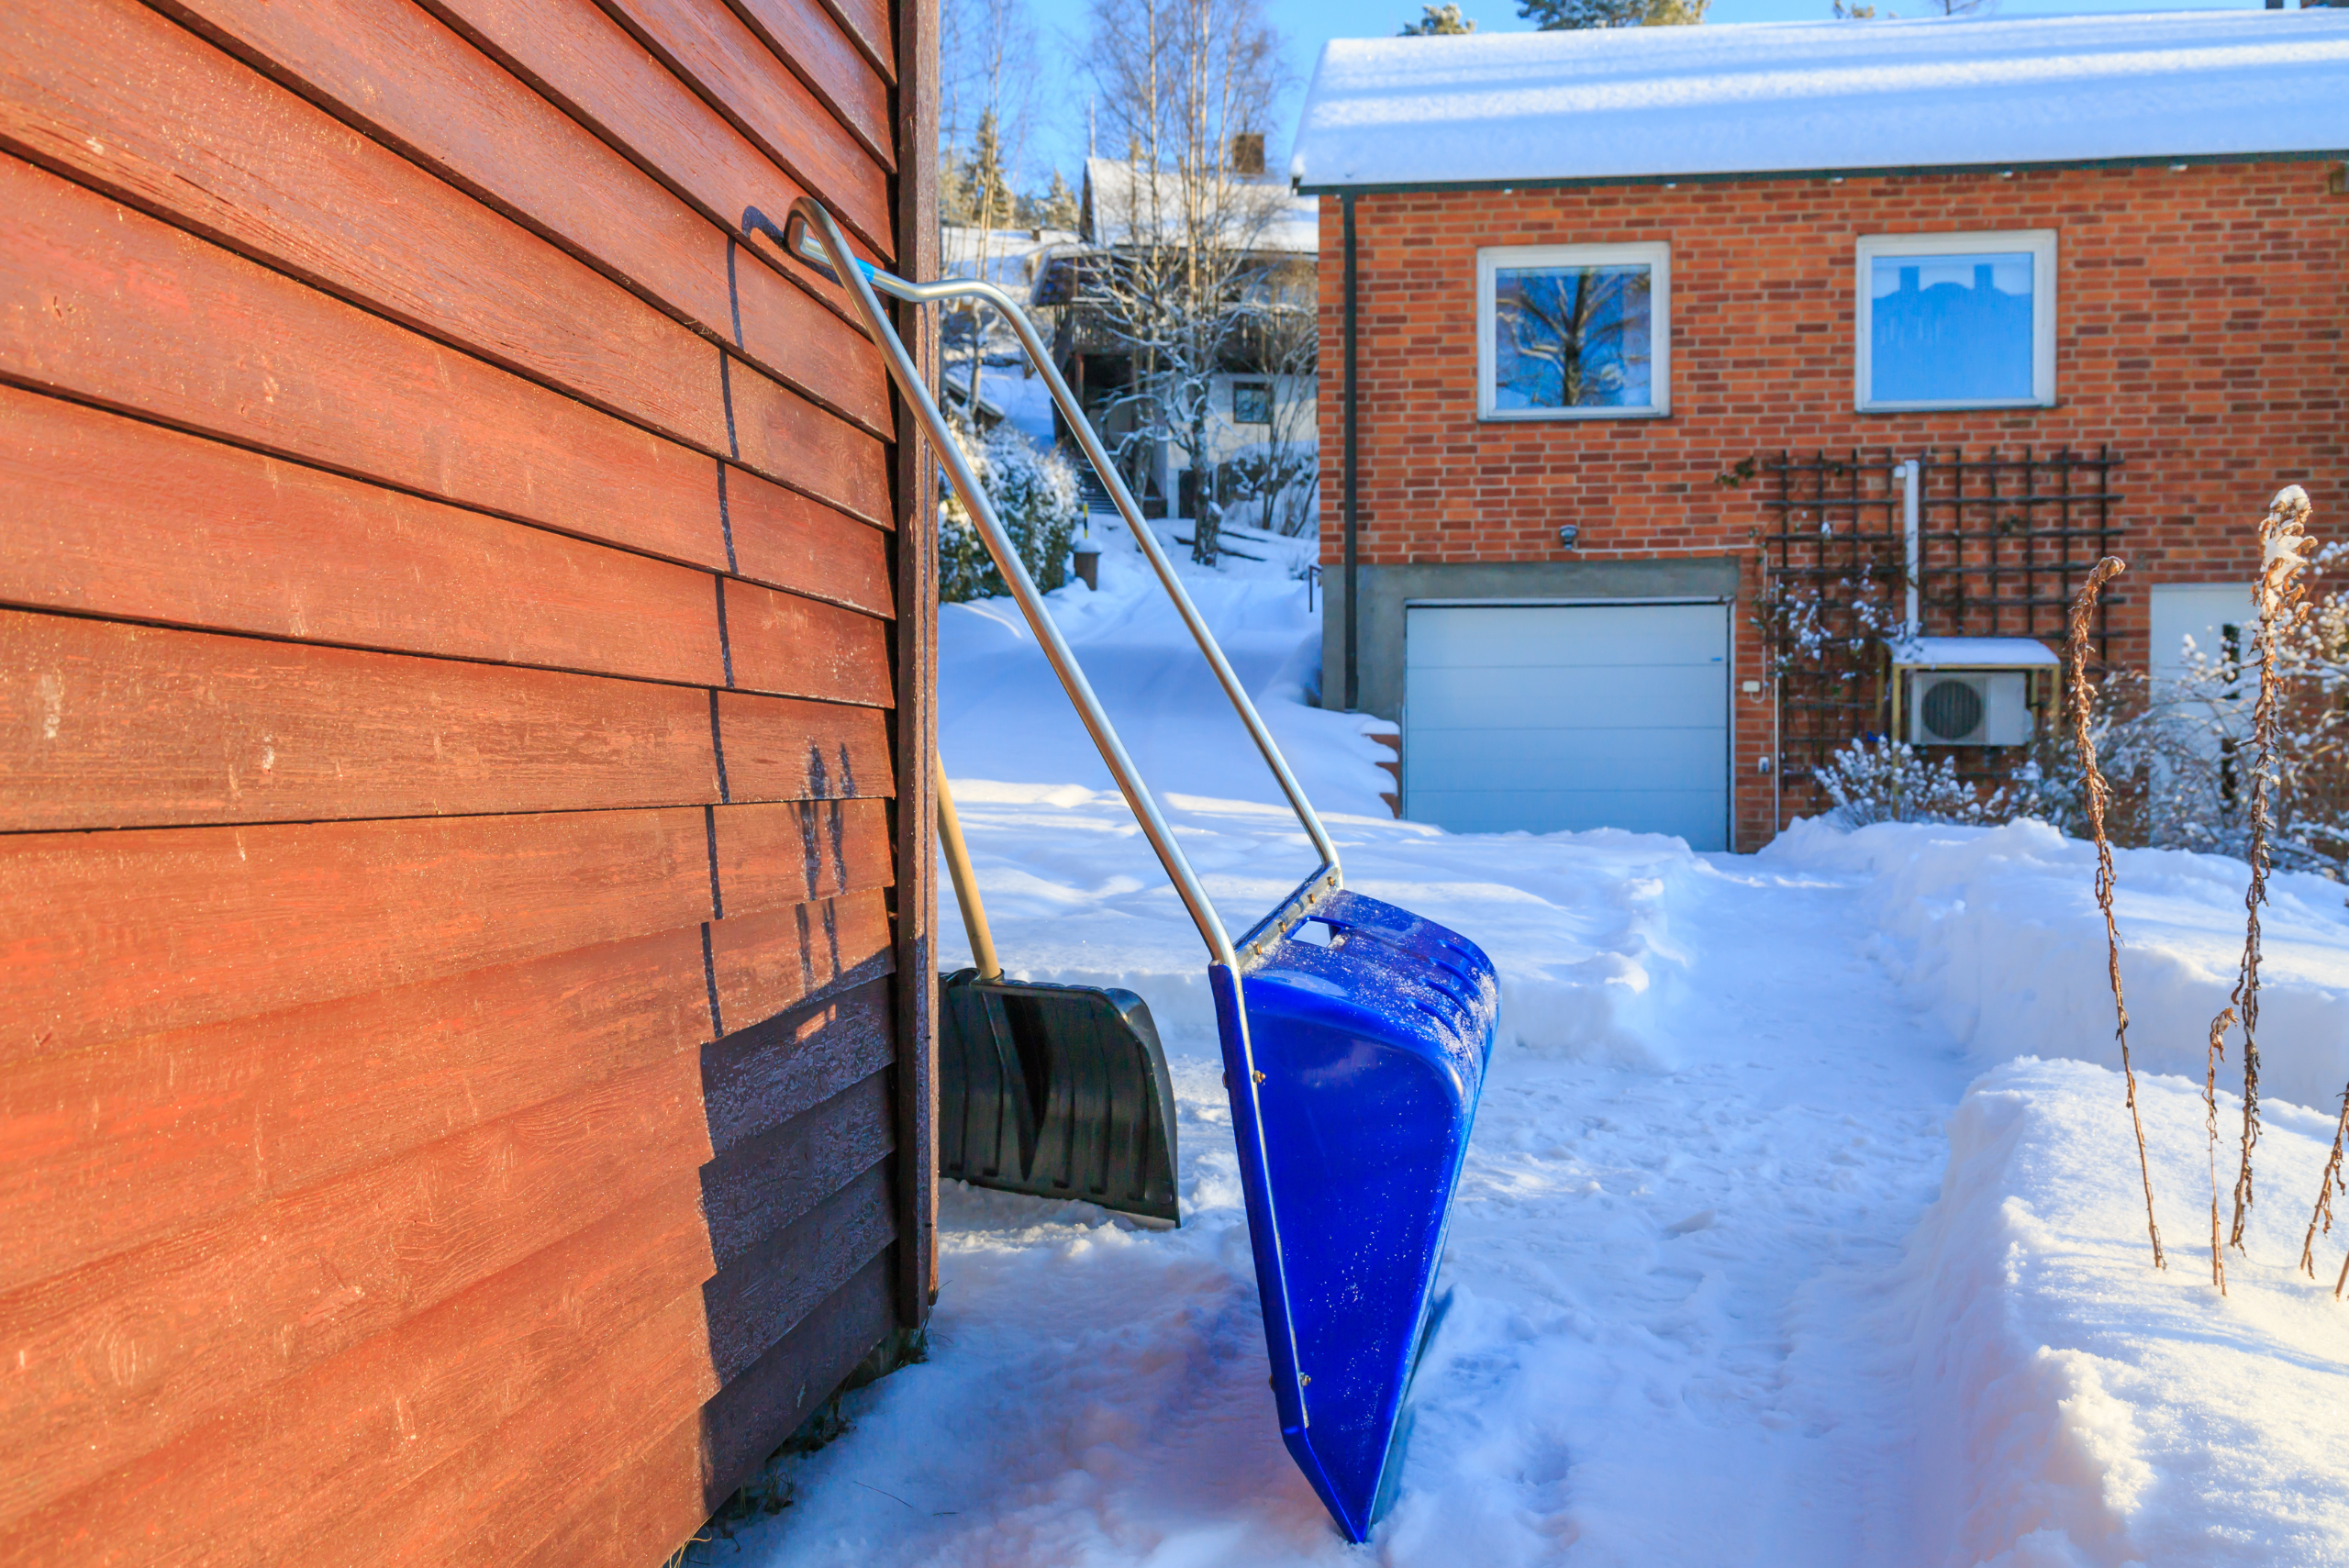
(1058, 135)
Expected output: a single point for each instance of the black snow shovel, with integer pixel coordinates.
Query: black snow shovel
(1058, 1091)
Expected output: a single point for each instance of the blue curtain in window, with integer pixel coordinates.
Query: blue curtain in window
(1950, 329)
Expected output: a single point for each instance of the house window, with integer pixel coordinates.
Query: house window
(1572, 331)
(1957, 320)
(1251, 402)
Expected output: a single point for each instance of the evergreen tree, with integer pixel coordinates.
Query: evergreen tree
(1558, 16)
(1441, 21)
(987, 194)
(1057, 208)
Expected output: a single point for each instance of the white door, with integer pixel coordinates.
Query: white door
(2205, 612)
(1551, 717)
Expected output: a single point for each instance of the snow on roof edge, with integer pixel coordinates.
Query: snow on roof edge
(1791, 99)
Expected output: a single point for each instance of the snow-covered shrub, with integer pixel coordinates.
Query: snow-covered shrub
(2179, 751)
(1035, 493)
(1885, 781)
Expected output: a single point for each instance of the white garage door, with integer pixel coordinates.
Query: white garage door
(1550, 717)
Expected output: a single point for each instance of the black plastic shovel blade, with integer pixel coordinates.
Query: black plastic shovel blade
(1058, 1091)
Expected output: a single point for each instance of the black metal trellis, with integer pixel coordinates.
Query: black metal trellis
(2004, 542)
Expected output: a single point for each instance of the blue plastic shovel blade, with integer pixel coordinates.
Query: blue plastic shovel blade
(1372, 1052)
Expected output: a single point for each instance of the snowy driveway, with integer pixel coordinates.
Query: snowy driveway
(1745, 1272)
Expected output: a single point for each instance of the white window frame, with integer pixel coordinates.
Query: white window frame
(1655, 255)
(2038, 242)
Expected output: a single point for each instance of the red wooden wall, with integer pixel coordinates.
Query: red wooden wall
(464, 701)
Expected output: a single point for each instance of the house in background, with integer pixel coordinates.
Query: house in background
(1652, 352)
(1262, 393)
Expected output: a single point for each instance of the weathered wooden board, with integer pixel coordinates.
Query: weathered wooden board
(90, 292)
(106, 514)
(106, 725)
(104, 1149)
(783, 643)
(768, 1289)
(869, 25)
(826, 55)
(742, 76)
(783, 749)
(606, 78)
(112, 1360)
(762, 964)
(253, 1481)
(652, 203)
(118, 98)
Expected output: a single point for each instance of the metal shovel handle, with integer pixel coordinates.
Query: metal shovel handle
(812, 237)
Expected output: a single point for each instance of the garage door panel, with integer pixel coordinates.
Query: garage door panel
(1693, 815)
(1568, 717)
(1561, 636)
(1646, 759)
(1626, 699)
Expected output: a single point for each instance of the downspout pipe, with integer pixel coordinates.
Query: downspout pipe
(1911, 541)
(1353, 469)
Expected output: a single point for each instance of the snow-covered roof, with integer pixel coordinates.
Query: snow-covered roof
(1262, 212)
(1724, 99)
(1973, 654)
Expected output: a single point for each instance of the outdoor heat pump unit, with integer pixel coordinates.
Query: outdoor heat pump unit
(1968, 707)
(1971, 691)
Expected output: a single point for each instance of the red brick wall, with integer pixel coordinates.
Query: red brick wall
(2198, 331)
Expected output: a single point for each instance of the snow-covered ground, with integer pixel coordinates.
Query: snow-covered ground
(1746, 1271)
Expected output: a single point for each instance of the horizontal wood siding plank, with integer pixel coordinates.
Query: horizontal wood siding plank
(300, 1457)
(660, 1497)
(103, 725)
(761, 1077)
(108, 1149)
(111, 935)
(606, 78)
(450, 107)
(783, 749)
(824, 53)
(118, 98)
(482, 1502)
(755, 1189)
(740, 75)
(797, 647)
(761, 965)
(91, 292)
(113, 1359)
(114, 308)
(776, 855)
(644, 1513)
(765, 1404)
(106, 514)
(867, 23)
(786, 540)
(106, 724)
(771, 1288)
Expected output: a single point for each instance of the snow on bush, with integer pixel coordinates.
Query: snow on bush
(1033, 492)
(1885, 781)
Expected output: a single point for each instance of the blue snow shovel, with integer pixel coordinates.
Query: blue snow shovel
(1354, 1033)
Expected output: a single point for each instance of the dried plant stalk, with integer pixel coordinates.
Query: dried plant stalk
(2327, 1185)
(2219, 1027)
(2279, 596)
(2099, 795)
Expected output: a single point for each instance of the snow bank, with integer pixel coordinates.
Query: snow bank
(1995, 931)
(2076, 1407)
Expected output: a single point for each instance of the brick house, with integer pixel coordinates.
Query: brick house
(1631, 339)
